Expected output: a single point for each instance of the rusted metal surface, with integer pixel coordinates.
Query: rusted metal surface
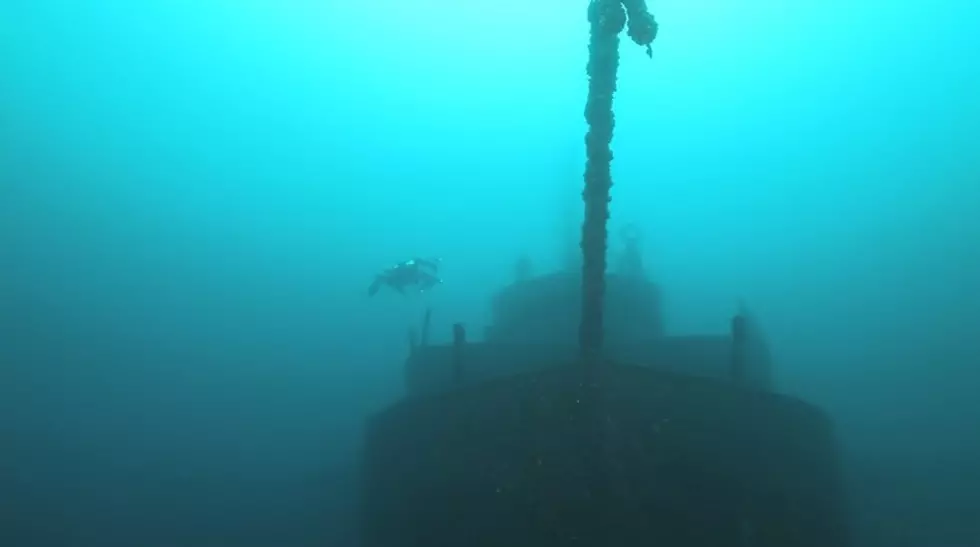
(684, 461)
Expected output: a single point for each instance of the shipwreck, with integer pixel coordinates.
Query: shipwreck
(576, 420)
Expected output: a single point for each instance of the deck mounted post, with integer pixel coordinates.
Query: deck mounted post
(739, 348)
(459, 345)
(413, 342)
(426, 320)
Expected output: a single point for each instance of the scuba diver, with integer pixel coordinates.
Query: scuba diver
(422, 274)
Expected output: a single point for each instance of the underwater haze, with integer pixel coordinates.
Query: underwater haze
(195, 196)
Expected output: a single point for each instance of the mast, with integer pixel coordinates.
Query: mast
(607, 18)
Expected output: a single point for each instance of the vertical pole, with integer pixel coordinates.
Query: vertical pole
(413, 342)
(459, 347)
(607, 18)
(425, 327)
(739, 348)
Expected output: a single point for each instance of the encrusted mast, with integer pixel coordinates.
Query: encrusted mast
(607, 18)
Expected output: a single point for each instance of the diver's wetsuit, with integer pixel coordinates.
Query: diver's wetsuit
(424, 263)
(418, 272)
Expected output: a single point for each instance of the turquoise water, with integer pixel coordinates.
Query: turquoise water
(194, 197)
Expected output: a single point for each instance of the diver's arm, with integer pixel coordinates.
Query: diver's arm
(375, 285)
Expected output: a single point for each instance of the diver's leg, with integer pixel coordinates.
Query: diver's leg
(427, 281)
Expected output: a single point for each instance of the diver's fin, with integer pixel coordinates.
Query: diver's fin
(375, 286)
